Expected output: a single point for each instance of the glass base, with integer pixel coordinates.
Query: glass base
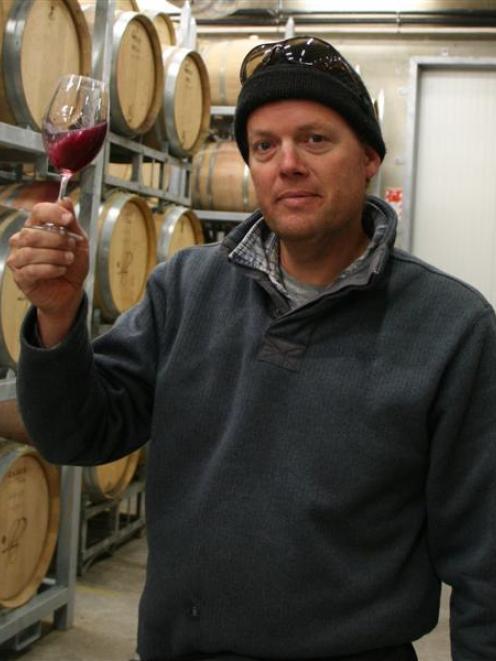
(58, 229)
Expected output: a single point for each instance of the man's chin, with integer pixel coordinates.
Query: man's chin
(291, 225)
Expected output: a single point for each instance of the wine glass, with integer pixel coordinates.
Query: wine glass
(74, 128)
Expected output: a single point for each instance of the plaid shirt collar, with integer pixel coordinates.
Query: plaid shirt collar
(259, 248)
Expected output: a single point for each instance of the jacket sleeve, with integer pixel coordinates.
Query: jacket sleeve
(461, 491)
(85, 403)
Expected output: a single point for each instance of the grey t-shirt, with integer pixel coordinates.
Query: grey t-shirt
(299, 292)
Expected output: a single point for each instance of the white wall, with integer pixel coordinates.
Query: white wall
(454, 198)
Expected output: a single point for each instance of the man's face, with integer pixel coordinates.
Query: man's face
(309, 169)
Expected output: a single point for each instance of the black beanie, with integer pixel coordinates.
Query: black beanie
(347, 96)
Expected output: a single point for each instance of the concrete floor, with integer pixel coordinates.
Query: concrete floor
(105, 620)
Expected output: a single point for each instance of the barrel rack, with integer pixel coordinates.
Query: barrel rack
(21, 626)
(105, 526)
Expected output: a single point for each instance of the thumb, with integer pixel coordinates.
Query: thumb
(74, 225)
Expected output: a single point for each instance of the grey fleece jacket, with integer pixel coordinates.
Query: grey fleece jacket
(313, 473)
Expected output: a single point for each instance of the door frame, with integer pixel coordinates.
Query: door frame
(419, 65)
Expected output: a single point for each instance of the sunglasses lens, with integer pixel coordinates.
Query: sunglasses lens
(298, 50)
(253, 60)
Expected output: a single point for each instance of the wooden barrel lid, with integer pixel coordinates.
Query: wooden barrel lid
(29, 518)
(177, 227)
(221, 179)
(109, 481)
(31, 64)
(137, 74)
(13, 303)
(126, 253)
(184, 119)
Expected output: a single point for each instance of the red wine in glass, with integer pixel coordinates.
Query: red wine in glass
(70, 151)
(74, 128)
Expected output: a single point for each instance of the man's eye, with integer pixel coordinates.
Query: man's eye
(316, 137)
(263, 145)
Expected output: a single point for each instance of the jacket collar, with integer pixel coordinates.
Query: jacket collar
(251, 244)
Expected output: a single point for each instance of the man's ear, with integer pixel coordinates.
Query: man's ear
(372, 161)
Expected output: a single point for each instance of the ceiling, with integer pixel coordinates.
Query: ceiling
(446, 12)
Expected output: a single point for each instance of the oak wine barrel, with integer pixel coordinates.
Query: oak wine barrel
(40, 42)
(177, 227)
(223, 61)
(126, 253)
(184, 118)
(109, 481)
(221, 179)
(29, 520)
(13, 303)
(164, 26)
(137, 74)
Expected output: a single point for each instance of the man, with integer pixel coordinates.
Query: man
(320, 405)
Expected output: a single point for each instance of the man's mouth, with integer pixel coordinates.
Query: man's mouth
(296, 198)
(295, 194)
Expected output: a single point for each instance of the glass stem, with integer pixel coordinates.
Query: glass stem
(64, 180)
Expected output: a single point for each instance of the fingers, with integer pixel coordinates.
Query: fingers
(34, 236)
(46, 212)
(34, 256)
(59, 216)
(31, 264)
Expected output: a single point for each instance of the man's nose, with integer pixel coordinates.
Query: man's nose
(291, 160)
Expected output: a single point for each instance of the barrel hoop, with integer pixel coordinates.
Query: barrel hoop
(14, 29)
(9, 448)
(120, 25)
(197, 168)
(174, 65)
(104, 244)
(167, 229)
(20, 217)
(210, 176)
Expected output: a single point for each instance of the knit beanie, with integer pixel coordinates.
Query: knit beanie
(340, 88)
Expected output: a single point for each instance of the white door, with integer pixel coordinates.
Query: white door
(454, 195)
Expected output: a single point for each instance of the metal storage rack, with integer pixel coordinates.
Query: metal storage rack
(179, 187)
(21, 626)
